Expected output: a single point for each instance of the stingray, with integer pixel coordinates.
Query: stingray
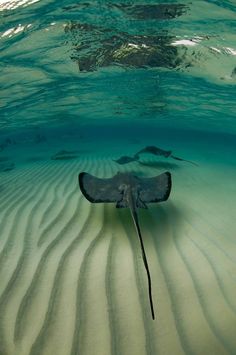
(128, 191)
(158, 151)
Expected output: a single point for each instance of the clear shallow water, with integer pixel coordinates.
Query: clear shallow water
(101, 80)
(120, 74)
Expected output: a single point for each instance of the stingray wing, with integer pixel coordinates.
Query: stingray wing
(155, 189)
(100, 190)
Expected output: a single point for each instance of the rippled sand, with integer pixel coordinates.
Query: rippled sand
(72, 279)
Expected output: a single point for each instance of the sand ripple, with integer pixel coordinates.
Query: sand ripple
(71, 274)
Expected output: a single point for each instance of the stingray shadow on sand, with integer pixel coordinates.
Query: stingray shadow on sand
(160, 165)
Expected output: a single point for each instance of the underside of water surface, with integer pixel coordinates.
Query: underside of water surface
(85, 86)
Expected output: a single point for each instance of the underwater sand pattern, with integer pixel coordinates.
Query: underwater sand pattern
(71, 275)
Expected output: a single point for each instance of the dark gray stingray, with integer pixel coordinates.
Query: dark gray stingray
(158, 151)
(128, 190)
(125, 160)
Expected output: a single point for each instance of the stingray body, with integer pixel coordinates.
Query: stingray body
(158, 151)
(128, 190)
(150, 149)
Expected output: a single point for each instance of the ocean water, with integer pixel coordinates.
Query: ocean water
(83, 84)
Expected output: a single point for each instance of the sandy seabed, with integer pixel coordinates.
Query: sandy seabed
(72, 279)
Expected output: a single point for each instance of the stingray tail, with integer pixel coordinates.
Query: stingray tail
(135, 219)
(188, 161)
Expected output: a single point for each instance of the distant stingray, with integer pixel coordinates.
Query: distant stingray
(158, 151)
(128, 190)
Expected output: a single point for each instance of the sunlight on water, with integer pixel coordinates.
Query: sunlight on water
(11, 5)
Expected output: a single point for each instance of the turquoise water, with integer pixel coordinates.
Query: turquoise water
(113, 72)
(94, 81)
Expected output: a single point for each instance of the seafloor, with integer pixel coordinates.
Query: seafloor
(72, 276)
